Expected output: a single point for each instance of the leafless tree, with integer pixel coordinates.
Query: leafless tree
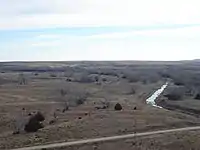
(134, 126)
(19, 122)
(63, 101)
(22, 79)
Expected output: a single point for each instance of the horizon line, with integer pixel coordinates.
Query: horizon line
(43, 61)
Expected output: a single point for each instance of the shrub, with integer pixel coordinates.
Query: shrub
(104, 79)
(98, 83)
(118, 106)
(165, 75)
(132, 91)
(190, 91)
(78, 99)
(133, 79)
(123, 76)
(16, 132)
(96, 78)
(106, 104)
(22, 80)
(66, 107)
(179, 83)
(52, 122)
(144, 81)
(85, 79)
(98, 107)
(34, 123)
(104, 107)
(81, 100)
(53, 75)
(69, 80)
(63, 92)
(174, 96)
(39, 116)
(197, 96)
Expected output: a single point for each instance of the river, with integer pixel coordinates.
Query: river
(152, 98)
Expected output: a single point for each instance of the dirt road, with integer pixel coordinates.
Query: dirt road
(106, 139)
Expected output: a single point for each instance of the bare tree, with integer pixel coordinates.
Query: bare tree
(63, 92)
(105, 103)
(19, 122)
(22, 80)
(64, 101)
(135, 127)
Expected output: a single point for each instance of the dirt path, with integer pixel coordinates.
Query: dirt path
(28, 103)
(105, 139)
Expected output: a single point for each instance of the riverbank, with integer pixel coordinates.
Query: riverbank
(175, 107)
(185, 104)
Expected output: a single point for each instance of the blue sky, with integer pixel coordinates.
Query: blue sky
(45, 30)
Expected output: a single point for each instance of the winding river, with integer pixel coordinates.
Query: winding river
(151, 100)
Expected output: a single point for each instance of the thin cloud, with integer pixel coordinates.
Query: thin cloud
(48, 36)
(167, 17)
(182, 32)
(67, 13)
(46, 44)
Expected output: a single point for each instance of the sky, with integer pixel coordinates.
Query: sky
(66, 30)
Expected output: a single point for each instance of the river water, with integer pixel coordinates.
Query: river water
(152, 98)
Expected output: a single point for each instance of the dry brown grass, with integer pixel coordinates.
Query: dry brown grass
(43, 93)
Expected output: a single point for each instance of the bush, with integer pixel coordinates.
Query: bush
(53, 75)
(197, 96)
(69, 80)
(179, 83)
(123, 76)
(16, 132)
(104, 79)
(66, 107)
(77, 99)
(165, 75)
(86, 79)
(118, 106)
(174, 96)
(22, 80)
(80, 100)
(190, 91)
(132, 91)
(96, 78)
(104, 105)
(133, 79)
(52, 122)
(34, 123)
(39, 116)
(63, 92)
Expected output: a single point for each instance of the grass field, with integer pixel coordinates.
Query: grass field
(90, 91)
